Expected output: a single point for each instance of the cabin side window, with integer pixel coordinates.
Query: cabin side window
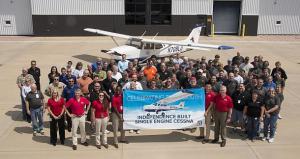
(148, 46)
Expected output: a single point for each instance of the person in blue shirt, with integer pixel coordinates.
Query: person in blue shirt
(269, 84)
(65, 78)
(94, 65)
(123, 64)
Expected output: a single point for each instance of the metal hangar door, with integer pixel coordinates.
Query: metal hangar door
(226, 15)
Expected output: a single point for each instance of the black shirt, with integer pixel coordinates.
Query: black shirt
(164, 75)
(36, 73)
(34, 99)
(239, 100)
(107, 84)
(94, 96)
(271, 102)
(231, 86)
(254, 108)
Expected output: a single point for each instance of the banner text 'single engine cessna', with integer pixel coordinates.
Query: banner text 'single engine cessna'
(141, 48)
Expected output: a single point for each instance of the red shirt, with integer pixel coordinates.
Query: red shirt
(77, 107)
(209, 97)
(117, 103)
(100, 112)
(223, 104)
(56, 106)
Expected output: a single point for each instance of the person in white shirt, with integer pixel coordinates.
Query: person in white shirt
(177, 60)
(78, 72)
(138, 85)
(246, 66)
(115, 74)
(26, 88)
(237, 77)
(69, 66)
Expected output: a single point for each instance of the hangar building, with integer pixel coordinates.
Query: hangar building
(166, 17)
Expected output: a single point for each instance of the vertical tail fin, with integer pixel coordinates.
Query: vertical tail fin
(194, 35)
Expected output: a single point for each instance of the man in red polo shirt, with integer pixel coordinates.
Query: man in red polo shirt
(223, 107)
(77, 106)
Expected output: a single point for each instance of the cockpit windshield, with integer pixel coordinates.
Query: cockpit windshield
(134, 42)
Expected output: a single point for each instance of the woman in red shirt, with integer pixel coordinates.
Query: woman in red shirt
(56, 111)
(100, 115)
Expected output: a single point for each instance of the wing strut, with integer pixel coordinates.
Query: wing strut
(114, 41)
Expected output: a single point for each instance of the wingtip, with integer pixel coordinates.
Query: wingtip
(223, 47)
(90, 30)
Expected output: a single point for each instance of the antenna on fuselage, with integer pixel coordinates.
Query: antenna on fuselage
(143, 34)
(155, 35)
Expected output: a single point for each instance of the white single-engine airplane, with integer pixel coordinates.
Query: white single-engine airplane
(141, 48)
(163, 104)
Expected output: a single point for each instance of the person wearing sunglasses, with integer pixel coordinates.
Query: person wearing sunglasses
(55, 85)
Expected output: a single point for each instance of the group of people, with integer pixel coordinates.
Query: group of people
(245, 94)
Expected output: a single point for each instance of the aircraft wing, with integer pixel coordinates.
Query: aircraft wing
(197, 48)
(175, 97)
(107, 33)
(189, 44)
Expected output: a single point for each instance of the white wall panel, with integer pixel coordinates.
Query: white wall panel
(250, 7)
(192, 7)
(286, 11)
(78, 7)
(18, 12)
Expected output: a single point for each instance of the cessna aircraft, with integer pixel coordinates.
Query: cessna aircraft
(163, 104)
(141, 48)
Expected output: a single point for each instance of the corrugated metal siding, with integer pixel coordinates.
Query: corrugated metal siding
(192, 7)
(19, 13)
(5, 29)
(78, 7)
(286, 11)
(250, 7)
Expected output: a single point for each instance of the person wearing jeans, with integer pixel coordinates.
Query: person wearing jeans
(271, 115)
(100, 109)
(77, 106)
(35, 108)
(253, 111)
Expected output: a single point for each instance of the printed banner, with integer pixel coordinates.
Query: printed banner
(163, 109)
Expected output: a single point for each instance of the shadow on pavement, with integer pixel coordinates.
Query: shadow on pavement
(235, 134)
(174, 136)
(18, 106)
(89, 58)
(23, 130)
(15, 115)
